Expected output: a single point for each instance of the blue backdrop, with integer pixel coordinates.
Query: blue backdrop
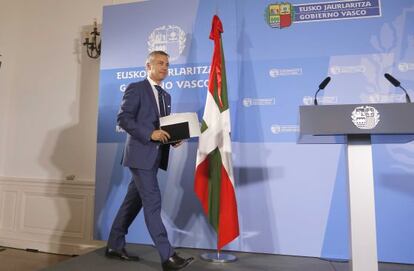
(292, 198)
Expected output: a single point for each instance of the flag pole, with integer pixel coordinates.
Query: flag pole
(218, 257)
(214, 180)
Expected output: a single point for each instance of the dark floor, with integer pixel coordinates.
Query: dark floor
(246, 262)
(22, 260)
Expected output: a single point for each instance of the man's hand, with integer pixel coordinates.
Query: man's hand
(160, 135)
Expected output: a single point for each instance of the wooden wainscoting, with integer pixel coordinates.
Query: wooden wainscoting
(47, 215)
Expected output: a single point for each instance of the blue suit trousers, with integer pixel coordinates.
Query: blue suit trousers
(143, 192)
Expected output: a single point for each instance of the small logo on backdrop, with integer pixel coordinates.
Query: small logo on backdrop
(365, 117)
(168, 38)
(347, 69)
(287, 128)
(285, 72)
(386, 98)
(308, 100)
(279, 15)
(247, 102)
(405, 67)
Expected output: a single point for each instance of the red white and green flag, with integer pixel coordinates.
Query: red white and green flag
(214, 181)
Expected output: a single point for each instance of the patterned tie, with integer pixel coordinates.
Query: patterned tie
(163, 112)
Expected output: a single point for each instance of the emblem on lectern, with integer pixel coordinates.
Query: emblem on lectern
(365, 117)
(168, 38)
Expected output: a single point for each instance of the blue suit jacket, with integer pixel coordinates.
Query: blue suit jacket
(139, 117)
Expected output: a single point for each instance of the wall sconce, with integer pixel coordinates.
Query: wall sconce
(93, 48)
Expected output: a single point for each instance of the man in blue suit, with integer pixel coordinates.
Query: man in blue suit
(143, 104)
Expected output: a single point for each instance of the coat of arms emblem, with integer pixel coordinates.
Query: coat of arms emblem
(279, 15)
(168, 38)
(365, 117)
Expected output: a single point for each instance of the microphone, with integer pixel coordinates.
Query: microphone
(322, 85)
(392, 80)
(397, 83)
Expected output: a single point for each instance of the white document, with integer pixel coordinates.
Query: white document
(190, 117)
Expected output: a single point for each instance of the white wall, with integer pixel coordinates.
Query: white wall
(8, 23)
(48, 119)
(51, 88)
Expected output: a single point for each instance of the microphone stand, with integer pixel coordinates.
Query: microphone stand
(322, 85)
(315, 101)
(407, 97)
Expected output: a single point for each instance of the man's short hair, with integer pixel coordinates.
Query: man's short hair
(153, 54)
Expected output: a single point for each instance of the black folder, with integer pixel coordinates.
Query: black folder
(178, 131)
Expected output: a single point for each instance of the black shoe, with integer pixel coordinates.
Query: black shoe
(175, 262)
(121, 255)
